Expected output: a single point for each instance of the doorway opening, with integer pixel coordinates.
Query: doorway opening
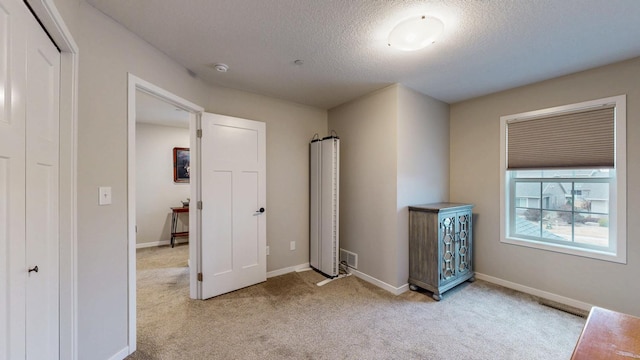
(184, 116)
(162, 173)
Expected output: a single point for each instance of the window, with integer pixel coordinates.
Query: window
(563, 179)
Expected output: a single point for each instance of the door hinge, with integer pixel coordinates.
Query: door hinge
(199, 276)
(199, 133)
(199, 205)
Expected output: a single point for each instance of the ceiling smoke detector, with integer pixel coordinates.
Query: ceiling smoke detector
(223, 68)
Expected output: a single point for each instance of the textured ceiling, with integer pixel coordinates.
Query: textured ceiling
(487, 46)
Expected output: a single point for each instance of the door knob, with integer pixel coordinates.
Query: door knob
(35, 268)
(260, 211)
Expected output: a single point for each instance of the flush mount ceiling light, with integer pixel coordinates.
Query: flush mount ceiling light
(415, 33)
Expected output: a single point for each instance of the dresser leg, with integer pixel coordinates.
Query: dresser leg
(413, 287)
(436, 297)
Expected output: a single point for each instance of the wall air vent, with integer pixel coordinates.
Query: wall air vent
(350, 258)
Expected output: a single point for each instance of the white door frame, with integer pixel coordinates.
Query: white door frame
(135, 84)
(52, 21)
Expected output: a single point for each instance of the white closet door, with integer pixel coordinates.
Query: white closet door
(29, 117)
(42, 201)
(13, 39)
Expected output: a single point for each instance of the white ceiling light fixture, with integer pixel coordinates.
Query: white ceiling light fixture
(415, 33)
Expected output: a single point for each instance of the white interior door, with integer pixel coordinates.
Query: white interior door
(233, 188)
(29, 195)
(42, 201)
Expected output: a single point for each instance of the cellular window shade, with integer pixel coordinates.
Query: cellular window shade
(583, 139)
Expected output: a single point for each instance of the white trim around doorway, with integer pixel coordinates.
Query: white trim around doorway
(134, 84)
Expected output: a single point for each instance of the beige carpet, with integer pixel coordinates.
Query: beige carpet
(289, 317)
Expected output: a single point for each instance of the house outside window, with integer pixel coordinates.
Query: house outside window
(566, 193)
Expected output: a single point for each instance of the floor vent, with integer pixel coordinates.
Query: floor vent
(350, 258)
(562, 307)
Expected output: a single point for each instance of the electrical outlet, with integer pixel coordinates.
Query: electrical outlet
(292, 246)
(267, 251)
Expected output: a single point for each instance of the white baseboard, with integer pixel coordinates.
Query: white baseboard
(535, 292)
(159, 243)
(370, 279)
(287, 270)
(120, 354)
(379, 283)
(508, 284)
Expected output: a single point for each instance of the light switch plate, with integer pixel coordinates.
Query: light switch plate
(104, 195)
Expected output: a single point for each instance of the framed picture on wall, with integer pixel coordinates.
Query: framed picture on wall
(181, 165)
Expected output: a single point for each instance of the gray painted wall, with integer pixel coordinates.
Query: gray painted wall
(367, 128)
(290, 128)
(423, 162)
(475, 152)
(107, 53)
(394, 153)
(370, 204)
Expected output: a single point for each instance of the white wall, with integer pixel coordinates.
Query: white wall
(156, 192)
(475, 153)
(394, 153)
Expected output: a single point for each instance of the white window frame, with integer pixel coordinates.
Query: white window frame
(618, 188)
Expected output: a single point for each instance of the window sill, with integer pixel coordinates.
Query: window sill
(588, 253)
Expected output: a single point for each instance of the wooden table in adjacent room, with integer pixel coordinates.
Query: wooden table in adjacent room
(174, 224)
(608, 335)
